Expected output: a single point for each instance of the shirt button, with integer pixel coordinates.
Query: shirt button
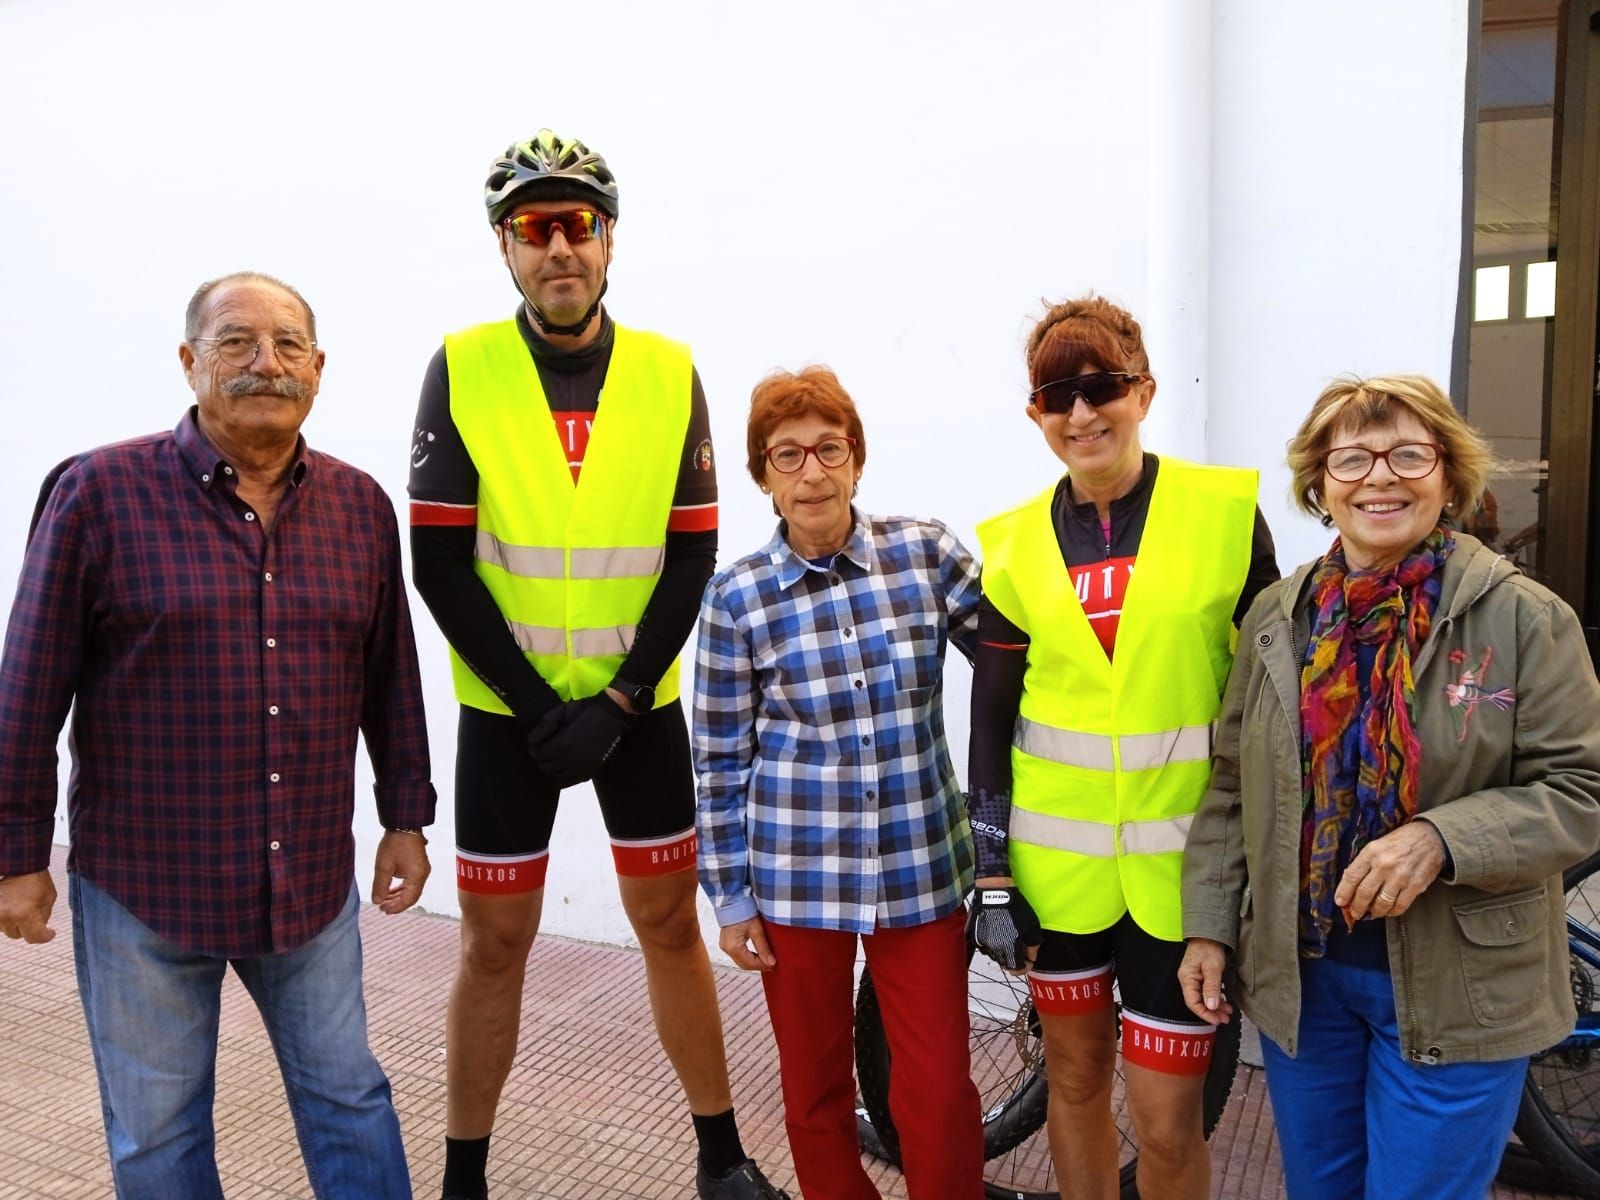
(858, 683)
(833, 579)
(271, 642)
(227, 470)
(205, 479)
(275, 845)
(847, 631)
(273, 709)
(1511, 928)
(249, 516)
(269, 576)
(274, 777)
(871, 795)
(866, 741)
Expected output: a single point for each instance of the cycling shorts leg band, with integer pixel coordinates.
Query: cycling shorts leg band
(500, 874)
(1170, 1047)
(1071, 993)
(646, 857)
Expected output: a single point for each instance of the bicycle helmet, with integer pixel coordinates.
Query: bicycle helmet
(549, 167)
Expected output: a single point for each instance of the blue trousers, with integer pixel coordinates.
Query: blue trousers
(152, 1010)
(1356, 1121)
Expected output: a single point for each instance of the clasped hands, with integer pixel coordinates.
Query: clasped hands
(573, 740)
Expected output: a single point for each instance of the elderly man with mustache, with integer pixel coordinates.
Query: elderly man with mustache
(223, 609)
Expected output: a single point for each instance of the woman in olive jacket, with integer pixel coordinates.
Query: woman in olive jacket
(1408, 757)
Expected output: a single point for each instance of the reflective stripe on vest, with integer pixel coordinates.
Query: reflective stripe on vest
(1111, 756)
(1096, 751)
(549, 562)
(1097, 840)
(571, 566)
(586, 643)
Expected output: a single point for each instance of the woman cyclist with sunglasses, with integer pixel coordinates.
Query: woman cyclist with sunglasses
(1094, 691)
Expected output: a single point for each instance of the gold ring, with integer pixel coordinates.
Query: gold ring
(1386, 898)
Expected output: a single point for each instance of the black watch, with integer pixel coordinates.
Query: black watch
(641, 695)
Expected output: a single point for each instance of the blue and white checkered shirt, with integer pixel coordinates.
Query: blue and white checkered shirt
(826, 794)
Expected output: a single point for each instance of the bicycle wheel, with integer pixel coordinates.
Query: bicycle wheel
(1559, 1118)
(1008, 1067)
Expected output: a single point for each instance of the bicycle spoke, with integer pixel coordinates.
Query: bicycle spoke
(1007, 1062)
(1561, 1110)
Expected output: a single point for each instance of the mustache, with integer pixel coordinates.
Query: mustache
(250, 384)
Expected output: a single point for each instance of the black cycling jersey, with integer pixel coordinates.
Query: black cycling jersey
(444, 483)
(1001, 659)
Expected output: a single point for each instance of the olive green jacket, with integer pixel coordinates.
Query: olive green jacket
(1479, 961)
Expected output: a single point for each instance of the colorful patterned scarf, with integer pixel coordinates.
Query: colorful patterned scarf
(1359, 756)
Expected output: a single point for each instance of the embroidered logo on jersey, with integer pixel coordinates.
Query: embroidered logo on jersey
(1471, 690)
(702, 456)
(421, 447)
(1101, 587)
(574, 428)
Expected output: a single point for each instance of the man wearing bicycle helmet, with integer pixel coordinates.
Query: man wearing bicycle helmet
(563, 547)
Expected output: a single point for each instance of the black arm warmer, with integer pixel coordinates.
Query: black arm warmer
(441, 569)
(997, 672)
(670, 614)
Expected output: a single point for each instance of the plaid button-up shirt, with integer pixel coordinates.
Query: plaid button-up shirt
(826, 794)
(220, 674)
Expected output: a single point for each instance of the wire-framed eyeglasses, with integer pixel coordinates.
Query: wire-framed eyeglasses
(240, 349)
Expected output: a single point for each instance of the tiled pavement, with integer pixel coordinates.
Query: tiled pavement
(591, 1109)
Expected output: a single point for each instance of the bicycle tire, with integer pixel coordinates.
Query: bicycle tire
(1012, 1086)
(1558, 1118)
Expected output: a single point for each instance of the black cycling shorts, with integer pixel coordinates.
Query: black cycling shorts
(1073, 976)
(1145, 967)
(506, 808)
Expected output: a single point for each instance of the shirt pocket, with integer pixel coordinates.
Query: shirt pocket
(1504, 954)
(914, 653)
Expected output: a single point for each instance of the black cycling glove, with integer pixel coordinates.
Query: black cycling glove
(1003, 925)
(571, 743)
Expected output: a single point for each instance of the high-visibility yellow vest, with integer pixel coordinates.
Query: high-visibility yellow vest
(571, 566)
(1110, 757)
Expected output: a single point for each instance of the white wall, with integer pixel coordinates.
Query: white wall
(1336, 216)
(890, 188)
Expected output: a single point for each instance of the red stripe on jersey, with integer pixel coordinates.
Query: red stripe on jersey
(639, 857)
(1071, 993)
(1004, 645)
(501, 875)
(692, 518)
(431, 512)
(1166, 1046)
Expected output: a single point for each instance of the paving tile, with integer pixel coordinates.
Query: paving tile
(591, 1109)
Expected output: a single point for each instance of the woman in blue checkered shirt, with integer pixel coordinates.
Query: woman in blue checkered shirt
(828, 807)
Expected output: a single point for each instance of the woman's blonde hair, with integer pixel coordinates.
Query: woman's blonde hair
(1350, 405)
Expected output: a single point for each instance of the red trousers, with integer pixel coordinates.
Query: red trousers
(921, 979)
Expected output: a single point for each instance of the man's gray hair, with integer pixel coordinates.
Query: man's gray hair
(197, 302)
